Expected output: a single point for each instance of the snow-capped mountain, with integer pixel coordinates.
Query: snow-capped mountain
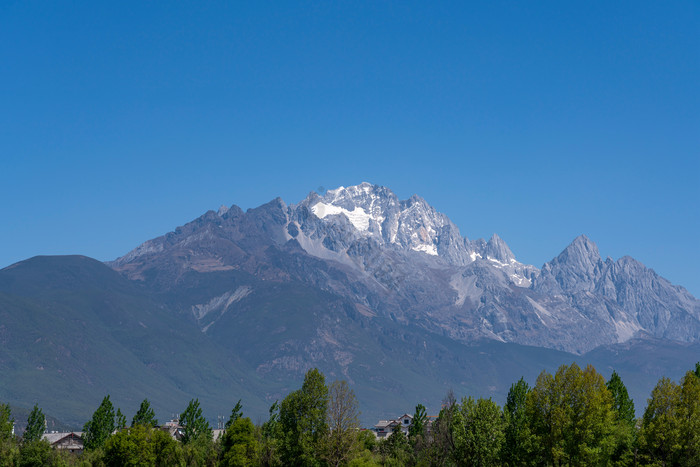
(403, 260)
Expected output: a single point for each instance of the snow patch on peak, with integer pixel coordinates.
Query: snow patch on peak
(429, 249)
(358, 217)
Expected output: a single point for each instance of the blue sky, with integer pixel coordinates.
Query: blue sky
(536, 120)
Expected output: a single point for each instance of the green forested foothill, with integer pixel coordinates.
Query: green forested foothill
(571, 418)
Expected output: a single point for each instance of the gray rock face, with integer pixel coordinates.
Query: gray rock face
(404, 261)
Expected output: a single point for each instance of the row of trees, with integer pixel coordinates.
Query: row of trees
(573, 417)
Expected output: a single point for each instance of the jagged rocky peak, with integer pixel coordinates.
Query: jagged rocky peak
(362, 205)
(497, 249)
(582, 254)
(578, 267)
(375, 211)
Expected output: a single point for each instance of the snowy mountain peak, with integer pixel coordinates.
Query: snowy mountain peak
(498, 250)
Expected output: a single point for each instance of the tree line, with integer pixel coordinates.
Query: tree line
(571, 418)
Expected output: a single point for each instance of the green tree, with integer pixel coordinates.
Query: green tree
(270, 438)
(38, 453)
(417, 427)
(440, 450)
(660, 436)
(6, 422)
(141, 445)
(478, 431)
(201, 451)
(100, 427)
(517, 444)
(119, 420)
(343, 420)
(145, 415)
(236, 413)
(571, 417)
(395, 449)
(624, 431)
(8, 446)
(623, 405)
(303, 422)
(36, 424)
(689, 414)
(194, 424)
(239, 446)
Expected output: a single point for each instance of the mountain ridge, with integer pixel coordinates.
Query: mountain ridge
(384, 293)
(402, 258)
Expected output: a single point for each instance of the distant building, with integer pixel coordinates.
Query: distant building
(69, 441)
(384, 428)
(175, 430)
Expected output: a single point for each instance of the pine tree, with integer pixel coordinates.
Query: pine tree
(194, 423)
(36, 424)
(239, 445)
(119, 420)
(517, 443)
(145, 415)
(100, 427)
(236, 413)
(6, 422)
(417, 427)
(622, 403)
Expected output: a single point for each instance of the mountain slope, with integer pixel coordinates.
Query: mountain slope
(405, 261)
(73, 325)
(382, 292)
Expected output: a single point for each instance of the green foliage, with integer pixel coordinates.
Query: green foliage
(689, 412)
(38, 453)
(236, 413)
(270, 438)
(343, 424)
(622, 403)
(697, 370)
(396, 450)
(145, 415)
(670, 433)
(571, 417)
(365, 459)
(367, 440)
(100, 427)
(239, 446)
(303, 422)
(518, 439)
(141, 445)
(270, 429)
(440, 450)
(200, 451)
(119, 420)
(9, 451)
(36, 423)
(624, 431)
(660, 435)
(478, 431)
(6, 422)
(193, 423)
(417, 427)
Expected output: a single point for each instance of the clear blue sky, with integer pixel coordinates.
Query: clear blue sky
(537, 120)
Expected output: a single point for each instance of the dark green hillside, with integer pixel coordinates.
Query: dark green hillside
(73, 330)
